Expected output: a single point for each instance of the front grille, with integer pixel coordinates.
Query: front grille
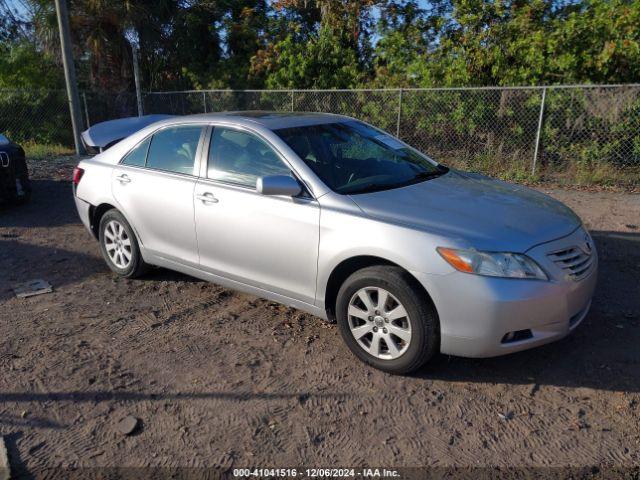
(575, 261)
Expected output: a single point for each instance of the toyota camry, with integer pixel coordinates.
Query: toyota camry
(335, 217)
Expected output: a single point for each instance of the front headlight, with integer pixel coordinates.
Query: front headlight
(493, 264)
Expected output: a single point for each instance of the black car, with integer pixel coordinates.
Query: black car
(15, 186)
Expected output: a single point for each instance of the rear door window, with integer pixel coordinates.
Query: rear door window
(174, 149)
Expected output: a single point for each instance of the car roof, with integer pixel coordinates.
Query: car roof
(103, 135)
(271, 120)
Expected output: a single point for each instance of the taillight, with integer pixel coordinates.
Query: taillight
(77, 175)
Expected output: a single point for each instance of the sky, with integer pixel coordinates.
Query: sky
(16, 6)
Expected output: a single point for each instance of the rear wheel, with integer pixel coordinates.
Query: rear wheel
(386, 320)
(119, 246)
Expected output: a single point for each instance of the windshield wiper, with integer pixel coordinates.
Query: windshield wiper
(367, 188)
(376, 187)
(433, 174)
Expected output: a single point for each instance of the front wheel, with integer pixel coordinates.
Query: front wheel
(386, 320)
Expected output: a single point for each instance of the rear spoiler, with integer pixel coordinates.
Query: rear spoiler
(103, 135)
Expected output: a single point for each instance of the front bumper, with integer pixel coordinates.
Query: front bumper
(476, 312)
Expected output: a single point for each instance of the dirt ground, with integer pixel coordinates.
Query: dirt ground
(226, 380)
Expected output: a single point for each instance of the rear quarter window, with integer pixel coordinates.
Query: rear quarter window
(138, 156)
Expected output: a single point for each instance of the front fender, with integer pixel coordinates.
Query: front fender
(346, 233)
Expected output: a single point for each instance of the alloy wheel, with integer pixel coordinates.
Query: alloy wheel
(117, 244)
(379, 323)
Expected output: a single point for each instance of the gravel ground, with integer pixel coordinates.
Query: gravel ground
(216, 378)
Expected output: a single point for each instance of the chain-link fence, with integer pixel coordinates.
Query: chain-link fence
(36, 116)
(581, 134)
(568, 134)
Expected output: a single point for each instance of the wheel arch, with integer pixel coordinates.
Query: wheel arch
(95, 214)
(351, 265)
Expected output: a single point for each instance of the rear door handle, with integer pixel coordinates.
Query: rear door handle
(207, 197)
(123, 178)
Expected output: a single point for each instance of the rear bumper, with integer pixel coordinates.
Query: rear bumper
(83, 211)
(477, 312)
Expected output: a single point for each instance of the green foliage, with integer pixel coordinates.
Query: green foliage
(328, 44)
(41, 116)
(320, 62)
(23, 66)
(503, 42)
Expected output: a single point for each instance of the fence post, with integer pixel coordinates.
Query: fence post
(292, 108)
(538, 133)
(399, 112)
(204, 102)
(136, 77)
(86, 109)
(70, 74)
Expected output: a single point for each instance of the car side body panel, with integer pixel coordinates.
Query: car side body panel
(270, 242)
(160, 204)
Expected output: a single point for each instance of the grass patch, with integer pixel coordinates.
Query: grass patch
(40, 151)
(596, 174)
(517, 169)
(509, 168)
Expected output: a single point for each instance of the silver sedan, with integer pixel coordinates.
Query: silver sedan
(340, 219)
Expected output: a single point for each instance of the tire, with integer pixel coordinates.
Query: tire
(15, 186)
(420, 325)
(25, 185)
(117, 241)
(23, 193)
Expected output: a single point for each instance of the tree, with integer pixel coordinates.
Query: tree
(321, 44)
(407, 34)
(327, 43)
(509, 42)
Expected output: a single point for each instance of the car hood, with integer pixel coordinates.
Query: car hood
(474, 210)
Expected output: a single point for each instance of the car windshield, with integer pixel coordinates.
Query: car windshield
(352, 157)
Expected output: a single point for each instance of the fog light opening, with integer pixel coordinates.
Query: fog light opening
(517, 336)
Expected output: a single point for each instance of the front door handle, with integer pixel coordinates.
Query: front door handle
(124, 178)
(207, 197)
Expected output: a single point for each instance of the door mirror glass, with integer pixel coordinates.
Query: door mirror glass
(278, 185)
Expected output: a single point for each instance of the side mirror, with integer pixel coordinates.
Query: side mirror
(278, 185)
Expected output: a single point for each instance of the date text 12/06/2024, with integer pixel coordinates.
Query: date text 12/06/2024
(316, 472)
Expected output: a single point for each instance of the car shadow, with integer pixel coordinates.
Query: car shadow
(602, 353)
(160, 274)
(16, 460)
(51, 205)
(21, 262)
